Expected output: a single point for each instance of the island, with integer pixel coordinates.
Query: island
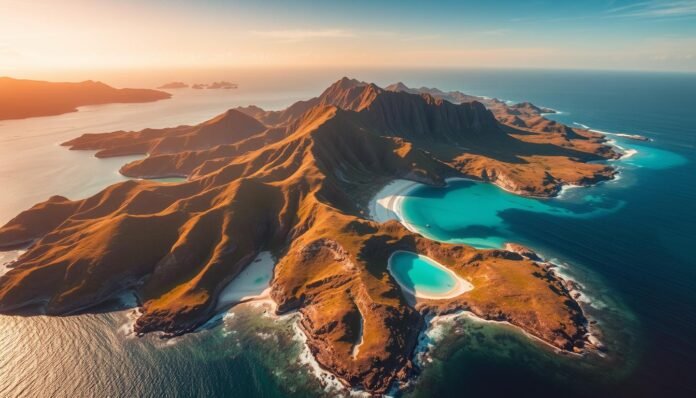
(221, 85)
(297, 183)
(20, 99)
(173, 85)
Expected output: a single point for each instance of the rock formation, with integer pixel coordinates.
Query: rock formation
(296, 182)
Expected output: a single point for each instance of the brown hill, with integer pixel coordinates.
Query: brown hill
(299, 189)
(21, 99)
(227, 128)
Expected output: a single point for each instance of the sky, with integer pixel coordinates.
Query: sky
(39, 36)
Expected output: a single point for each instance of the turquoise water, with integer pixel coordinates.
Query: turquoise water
(485, 216)
(651, 157)
(630, 242)
(474, 212)
(420, 275)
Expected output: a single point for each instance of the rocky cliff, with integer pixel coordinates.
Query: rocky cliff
(294, 182)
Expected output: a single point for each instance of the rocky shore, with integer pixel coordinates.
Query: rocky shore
(293, 183)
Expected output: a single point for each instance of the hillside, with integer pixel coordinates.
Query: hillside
(20, 99)
(295, 182)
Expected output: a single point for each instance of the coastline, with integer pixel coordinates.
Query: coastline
(386, 204)
(462, 285)
(252, 283)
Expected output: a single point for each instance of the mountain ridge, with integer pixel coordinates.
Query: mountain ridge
(299, 189)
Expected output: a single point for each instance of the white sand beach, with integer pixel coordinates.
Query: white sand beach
(461, 285)
(251, 284)
(386, 204)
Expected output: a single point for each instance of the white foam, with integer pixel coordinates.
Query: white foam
(434, 332)
(329, 381)
(565, 188)
(8, 258)
(628, 153)
(127, 328)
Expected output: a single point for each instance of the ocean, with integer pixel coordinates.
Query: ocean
(627, 242)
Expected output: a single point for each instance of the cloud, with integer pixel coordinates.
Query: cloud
(294, 35)
(656, 9)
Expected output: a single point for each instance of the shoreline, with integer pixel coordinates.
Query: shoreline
(461, 285)
(252, 283)
(385, 205)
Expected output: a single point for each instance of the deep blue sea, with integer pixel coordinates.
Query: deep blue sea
(630, 243)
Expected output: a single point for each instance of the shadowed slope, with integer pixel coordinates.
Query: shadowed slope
(298, 190)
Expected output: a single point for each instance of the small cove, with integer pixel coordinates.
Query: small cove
(423, 277)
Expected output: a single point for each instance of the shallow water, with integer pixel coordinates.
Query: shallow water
(635, 260)
(420, 275)
(626, 241)
(474, 212)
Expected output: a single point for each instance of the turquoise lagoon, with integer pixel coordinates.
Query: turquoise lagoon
(629, 241)
(593, 235)
(474, 213)
(420, 275)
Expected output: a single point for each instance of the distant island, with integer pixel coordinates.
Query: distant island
(173, 85)
(221, 85)
(297, 183)
(20, 99)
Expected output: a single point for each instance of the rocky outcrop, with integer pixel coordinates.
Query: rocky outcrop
(296, 185)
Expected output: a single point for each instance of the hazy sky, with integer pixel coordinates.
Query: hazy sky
(41, 35)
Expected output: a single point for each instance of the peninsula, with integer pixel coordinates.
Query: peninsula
(297, 183)
(20, 99)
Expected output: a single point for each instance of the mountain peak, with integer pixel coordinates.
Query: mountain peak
(397, 87)
(346, 83)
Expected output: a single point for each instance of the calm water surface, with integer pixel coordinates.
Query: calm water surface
(628, 242)
(420, 274)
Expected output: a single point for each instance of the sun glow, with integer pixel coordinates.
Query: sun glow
(46, 37)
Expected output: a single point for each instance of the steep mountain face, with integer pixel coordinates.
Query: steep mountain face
(21, 99)
(298, 188)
